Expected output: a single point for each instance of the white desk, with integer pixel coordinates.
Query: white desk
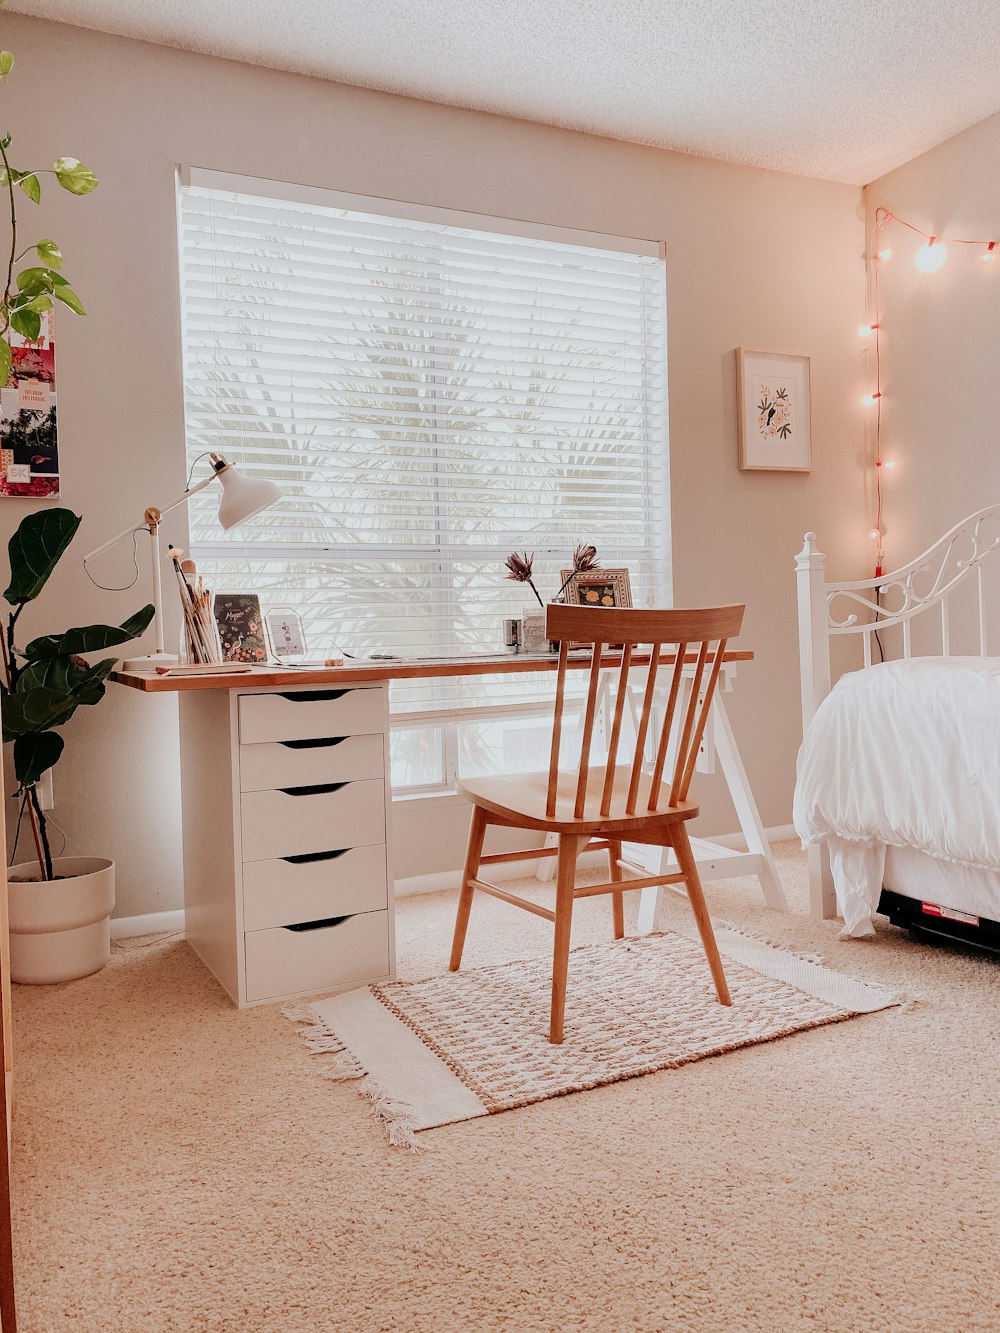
(286, 819)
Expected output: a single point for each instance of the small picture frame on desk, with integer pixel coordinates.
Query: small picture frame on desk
(597, 587)
(241, 630)
(284, 629)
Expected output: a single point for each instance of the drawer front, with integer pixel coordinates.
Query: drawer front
(291, 962)
(302, 763)
(310, 714)
(282, 893)
(298, 820)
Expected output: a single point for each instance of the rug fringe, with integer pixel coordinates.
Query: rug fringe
(395, 1117)
(804, 957)
(320, 1040)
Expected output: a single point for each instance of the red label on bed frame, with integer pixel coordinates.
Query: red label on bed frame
(949, 913)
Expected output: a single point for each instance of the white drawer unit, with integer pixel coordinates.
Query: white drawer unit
(301, 763)
(303, 958)
(287, 881)
(322, 818)
(309, 888)
(294, 715)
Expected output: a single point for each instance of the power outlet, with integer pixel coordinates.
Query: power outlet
(46, 795)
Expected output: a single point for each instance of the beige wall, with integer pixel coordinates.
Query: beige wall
(754, 258)
(941, 403)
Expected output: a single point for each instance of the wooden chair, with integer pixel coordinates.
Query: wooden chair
(615, 802)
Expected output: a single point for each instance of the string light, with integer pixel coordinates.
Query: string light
(930, 258)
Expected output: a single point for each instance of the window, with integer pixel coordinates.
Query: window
(430, 390)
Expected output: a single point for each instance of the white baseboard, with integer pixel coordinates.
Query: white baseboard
(127, 927)
(151, 923)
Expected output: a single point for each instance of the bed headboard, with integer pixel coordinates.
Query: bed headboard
(865, 607)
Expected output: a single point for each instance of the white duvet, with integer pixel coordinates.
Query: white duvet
(905, 754)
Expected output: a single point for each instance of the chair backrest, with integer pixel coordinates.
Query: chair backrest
(698, 638)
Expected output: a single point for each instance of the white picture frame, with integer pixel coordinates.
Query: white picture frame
(774, 411)
(284, 629)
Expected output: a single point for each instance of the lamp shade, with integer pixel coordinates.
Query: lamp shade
(243, 497)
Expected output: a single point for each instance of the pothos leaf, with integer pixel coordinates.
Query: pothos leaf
(4, 362)
(69, 297)
(6, 63)
(72, 175)
(27, 322)
(49, 253)
(29, 184)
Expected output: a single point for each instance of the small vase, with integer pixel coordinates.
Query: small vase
(533, 638)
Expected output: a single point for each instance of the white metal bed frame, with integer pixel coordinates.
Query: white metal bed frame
(866, 607)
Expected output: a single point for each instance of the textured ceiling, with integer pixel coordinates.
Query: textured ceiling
(842, 89)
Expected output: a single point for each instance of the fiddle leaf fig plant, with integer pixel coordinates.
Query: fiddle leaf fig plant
(48, 680)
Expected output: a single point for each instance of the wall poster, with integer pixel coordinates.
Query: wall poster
(29, 452)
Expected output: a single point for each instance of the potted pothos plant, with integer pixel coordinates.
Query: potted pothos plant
(60, 907)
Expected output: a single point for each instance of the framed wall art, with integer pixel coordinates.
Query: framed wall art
(598, 587)
(773, 421)
(29, 451)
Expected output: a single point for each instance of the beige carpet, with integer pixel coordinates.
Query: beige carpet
(178, 1165)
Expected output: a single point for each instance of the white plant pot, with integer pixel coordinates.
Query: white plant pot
(60, 929)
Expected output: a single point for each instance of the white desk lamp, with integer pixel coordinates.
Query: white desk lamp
(242, 498)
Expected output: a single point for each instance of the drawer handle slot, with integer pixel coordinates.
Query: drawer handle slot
(312, 696)
(304, 858)
(314, 745)
(318, 925)
(317, 789)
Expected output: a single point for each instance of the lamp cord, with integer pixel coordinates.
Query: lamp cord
(123, 587)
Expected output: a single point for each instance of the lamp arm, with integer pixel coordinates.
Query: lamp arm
(138, 527)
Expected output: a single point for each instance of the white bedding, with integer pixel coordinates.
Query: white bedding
(905, 754)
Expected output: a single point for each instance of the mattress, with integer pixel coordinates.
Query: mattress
(905, 757)
(962, 888)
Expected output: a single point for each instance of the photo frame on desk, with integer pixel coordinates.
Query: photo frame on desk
(597, 587)
(241, 630)
(285, 631)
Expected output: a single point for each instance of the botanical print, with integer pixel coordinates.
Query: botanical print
(29, 453)
(597, 594)
(774, 411)
(241, 635)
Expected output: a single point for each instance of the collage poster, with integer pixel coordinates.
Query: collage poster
(29, 455)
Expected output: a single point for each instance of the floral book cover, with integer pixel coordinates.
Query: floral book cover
(29, 453)
(241, 632)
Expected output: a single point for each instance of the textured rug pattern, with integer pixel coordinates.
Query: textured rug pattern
(633, 1006)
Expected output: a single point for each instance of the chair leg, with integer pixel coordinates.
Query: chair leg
(696, 896)
(569, 850)
(473, 854)
(617, 899)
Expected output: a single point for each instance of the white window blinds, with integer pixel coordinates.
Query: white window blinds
(428, 396)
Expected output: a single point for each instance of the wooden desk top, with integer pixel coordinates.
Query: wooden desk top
(366, 672)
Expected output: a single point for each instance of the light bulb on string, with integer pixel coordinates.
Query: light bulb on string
(870, 399)
(930, 258)
(990, 253)
(884, 254)
(866, 330)
(887, 463)
(875, 534)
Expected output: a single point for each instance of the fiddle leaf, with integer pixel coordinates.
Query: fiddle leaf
(35, 549)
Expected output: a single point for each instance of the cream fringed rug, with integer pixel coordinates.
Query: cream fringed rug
(473, 1042)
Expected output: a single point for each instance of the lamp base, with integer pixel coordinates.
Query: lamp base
(149, 662)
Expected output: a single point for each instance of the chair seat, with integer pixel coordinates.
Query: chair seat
(521, 799)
